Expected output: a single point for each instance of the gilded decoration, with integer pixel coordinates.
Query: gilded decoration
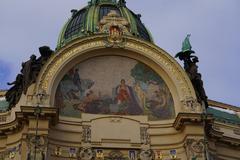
(168, 64)
(114, 25)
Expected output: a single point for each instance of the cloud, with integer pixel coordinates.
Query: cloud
(214, 25)
(4, 74)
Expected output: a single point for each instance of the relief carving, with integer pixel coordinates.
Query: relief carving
(145, 138)
(191, 105)
(37, 147)
(86, 134)
(195, 149)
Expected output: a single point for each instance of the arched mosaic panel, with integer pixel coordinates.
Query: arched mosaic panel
(114, 85)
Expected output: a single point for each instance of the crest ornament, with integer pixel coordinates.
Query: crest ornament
(146, 155)
(115, 26)
(87, 154)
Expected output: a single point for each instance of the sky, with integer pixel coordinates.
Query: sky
(214, 26)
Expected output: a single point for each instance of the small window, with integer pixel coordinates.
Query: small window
(104, 10)
(76, 24)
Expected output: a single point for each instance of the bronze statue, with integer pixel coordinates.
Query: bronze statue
(27, 70)
(28, 76)
(45, 53)
(190, 66)
(13, 95)
(32, 67)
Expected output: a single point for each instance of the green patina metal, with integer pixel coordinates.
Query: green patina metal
(3, 105)
(91, 21)
(186, 45)
(61, 36)
(224, 116)
(131, 19)
(97, 9)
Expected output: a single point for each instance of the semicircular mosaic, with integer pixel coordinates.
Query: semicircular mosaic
(114, 85)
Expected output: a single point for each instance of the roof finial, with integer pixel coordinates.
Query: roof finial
(122, 3)
(186, 45)
(74, 11)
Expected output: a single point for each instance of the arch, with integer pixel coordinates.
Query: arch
(82, 49)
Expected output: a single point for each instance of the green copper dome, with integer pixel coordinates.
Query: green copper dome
(85, 22)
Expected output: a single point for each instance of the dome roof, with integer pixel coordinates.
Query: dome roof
(86, 21)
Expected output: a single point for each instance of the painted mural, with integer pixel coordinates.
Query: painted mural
(114, 85)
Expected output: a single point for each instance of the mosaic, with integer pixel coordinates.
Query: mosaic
(114, 85)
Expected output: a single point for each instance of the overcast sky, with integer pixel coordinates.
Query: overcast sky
(214, 25)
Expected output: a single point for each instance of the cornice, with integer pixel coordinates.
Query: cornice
(194, 118)
(217, 134)
(23, 116)
(12, 127)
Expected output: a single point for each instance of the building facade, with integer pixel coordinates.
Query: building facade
(108, 92)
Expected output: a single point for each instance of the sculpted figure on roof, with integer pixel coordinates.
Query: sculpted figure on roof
(190, 66)
(29, 72)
